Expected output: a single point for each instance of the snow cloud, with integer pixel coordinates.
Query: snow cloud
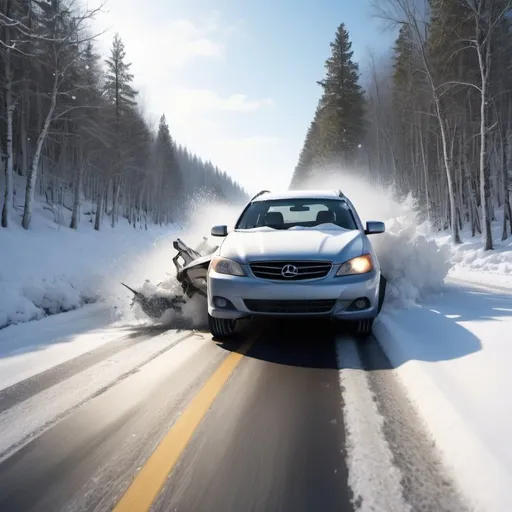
(414, 264)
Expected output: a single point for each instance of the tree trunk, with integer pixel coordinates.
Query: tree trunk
(115, 199)
(32, 173)
(507, 210)
(484, 169)
(425, 175)
(507, 213)
(77, 195)
(449, 178)
(99, 207)
(9, 109)
(23, 132)
(8, 192)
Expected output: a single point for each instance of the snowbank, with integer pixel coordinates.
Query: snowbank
(51, 268)
(471, 262)
(453, 355)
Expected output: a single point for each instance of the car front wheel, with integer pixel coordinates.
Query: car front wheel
(221, 327)
(364, 327)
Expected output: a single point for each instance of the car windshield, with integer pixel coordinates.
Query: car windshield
(290, 213)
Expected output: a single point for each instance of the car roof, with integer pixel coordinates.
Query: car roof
(297, 194)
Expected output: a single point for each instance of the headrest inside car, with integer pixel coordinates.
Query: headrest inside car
(273, 219)
(325, 216)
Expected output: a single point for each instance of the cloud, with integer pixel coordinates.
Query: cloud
(171, 47)
(179, 42)
(156, 42)
(190, 101)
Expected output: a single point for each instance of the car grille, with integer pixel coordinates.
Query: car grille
(290, 306)
(305, 270)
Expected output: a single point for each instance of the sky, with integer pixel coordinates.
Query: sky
(236, 79)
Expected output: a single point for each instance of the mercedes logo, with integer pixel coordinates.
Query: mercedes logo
(289, 271)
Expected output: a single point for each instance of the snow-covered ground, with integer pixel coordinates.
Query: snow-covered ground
(452, 349)
(447, 329)
(470, 262)
(30, 348)
(453, 353)
(451, 345)
(51, 268)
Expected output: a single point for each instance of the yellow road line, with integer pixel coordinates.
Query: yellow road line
(151, 478)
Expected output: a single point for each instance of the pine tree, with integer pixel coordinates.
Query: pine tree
(168, 169)
(121, 95)
(342, 103)
(59, 36)
(338, 127)
(75, 135)
(118, 78)
(86, 122)
(407, 81)
(308, 154)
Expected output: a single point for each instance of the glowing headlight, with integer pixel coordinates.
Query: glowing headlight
(226, 266)
(360, 265)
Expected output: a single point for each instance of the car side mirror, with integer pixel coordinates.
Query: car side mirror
(374, 227)
(219, 231)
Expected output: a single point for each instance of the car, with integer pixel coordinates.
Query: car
(298, 253)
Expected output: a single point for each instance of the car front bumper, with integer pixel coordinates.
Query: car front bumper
(338, 291)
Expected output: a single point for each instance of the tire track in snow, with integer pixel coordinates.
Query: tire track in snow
(27, 388)
(426, 482)
(29, 419)
(374, 479)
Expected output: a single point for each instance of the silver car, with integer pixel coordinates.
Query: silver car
(296, 253)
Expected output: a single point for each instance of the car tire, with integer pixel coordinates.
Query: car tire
(364, 327)
(382, 291)
(221, 328)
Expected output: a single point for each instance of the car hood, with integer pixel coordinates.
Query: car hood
(334, 245)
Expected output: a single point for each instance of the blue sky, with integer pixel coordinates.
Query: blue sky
(236, 79)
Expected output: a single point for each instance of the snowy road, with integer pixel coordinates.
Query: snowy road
(289, 417)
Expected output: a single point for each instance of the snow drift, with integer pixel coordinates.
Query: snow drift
(414, 263)
(51, 269)
(471, 262)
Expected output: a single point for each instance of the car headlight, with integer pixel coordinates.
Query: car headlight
(227, 266)
(360, 265)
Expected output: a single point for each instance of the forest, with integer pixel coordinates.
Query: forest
(72, 130)
(434, 120)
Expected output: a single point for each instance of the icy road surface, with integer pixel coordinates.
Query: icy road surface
(290, 416)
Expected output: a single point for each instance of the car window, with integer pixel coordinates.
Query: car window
(288, 213)
(300, 216)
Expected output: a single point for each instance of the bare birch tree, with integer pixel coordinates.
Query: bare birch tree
(414, 14)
